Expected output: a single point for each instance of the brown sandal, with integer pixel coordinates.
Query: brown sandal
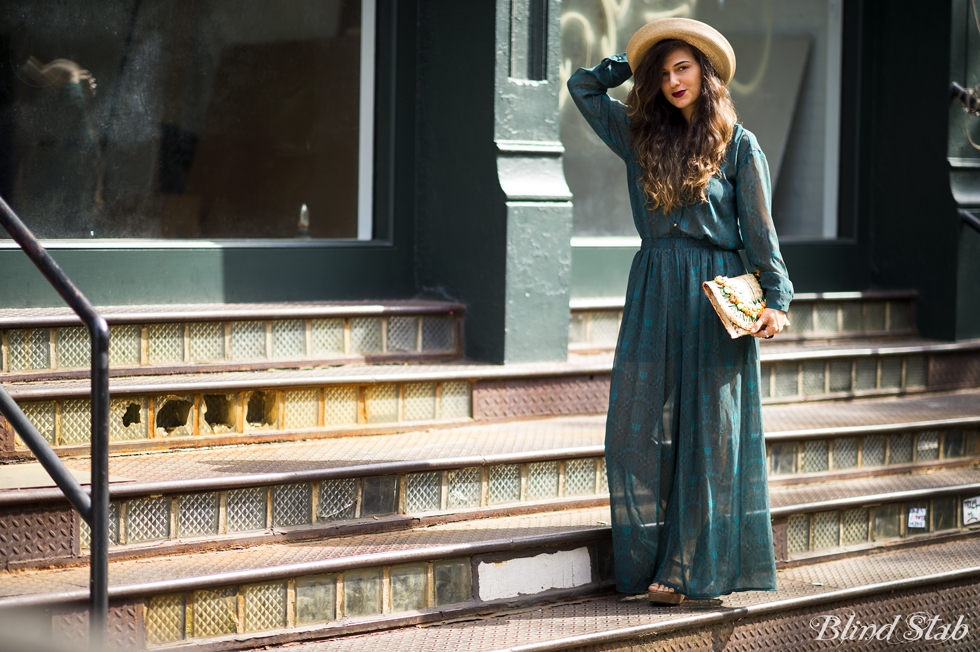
(666, 597)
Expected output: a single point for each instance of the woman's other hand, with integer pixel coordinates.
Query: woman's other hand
(770, 322)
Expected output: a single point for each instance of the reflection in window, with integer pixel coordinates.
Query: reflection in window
(781, 90)
(181, 118)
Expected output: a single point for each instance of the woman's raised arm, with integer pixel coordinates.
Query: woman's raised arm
(606, 116)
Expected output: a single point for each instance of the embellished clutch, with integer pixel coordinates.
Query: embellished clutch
(738, 301)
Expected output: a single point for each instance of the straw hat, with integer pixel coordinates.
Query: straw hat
(702, 36)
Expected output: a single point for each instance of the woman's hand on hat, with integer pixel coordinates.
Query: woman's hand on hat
(770, 322)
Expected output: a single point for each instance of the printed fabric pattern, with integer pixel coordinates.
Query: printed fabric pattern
(685, 452)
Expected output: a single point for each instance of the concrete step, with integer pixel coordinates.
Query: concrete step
(51, 343)
(827, 316)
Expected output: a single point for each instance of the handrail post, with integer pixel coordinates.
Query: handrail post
(99, 550)
(99, 332)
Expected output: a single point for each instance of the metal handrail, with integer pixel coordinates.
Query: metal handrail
(94, 510)
(970, 219)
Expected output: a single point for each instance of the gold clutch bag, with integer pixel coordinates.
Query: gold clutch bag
(738, 301)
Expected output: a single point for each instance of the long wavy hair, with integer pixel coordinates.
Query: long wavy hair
(678, 159)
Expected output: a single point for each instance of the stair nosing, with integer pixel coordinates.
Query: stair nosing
(850, 431)
(873, 499)
(725, 614)
(115, 315)
(600, 303)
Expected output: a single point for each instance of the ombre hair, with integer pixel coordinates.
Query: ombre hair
(678, 159)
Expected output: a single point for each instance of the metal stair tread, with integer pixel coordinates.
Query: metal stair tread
(558, 523)
(576, 364)
(200, 564)
(494, 439)
(839, 416)
(859, 490)
(777, 350)
(607, 303)
(63, 316)
(609, 618)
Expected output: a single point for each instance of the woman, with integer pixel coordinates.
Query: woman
(684, 444)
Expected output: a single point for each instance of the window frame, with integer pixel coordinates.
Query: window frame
(375, 212)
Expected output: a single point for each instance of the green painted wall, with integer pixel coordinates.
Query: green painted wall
(913, 227)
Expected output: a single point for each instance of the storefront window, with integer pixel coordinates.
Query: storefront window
(786, 91)
(200, 119)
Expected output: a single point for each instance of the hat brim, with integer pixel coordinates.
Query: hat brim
(702, 36)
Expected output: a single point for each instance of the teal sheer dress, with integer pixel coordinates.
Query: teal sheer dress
(685, 453)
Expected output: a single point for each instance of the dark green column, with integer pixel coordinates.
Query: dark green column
(494, 213)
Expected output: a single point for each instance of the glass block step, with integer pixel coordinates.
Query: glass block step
(249, 509)
(439, 571)
(878, 589)
(595, 322)
(303, 592)
(184, 410)
(173, 411)
(804, 372)
(148, 339)
(860, 514)
(234, 494)
(822, 441)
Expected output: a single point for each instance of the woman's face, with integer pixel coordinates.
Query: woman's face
(681, 80)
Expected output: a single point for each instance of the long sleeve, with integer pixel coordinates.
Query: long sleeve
(753, 197)
(605, 115)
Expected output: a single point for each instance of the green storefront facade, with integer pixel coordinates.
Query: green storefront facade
(470, 190)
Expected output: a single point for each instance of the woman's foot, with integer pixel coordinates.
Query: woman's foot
(660, 594)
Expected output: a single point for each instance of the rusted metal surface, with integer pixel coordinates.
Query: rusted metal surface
(125, 627)
(6, 438)
(585, 394)
(41, 317)
(961, 369)
(35, 532)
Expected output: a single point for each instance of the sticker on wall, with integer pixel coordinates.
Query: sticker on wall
(971, 510)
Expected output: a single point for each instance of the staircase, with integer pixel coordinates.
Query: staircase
(337, 476)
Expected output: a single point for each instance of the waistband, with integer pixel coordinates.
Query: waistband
(678, 243)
